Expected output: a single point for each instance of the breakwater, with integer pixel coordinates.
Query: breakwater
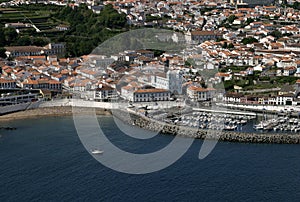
(141, 121)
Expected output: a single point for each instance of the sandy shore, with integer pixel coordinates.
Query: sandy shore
(50, 111)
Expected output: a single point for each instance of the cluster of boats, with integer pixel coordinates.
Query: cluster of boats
(279, 124)
(215, 121)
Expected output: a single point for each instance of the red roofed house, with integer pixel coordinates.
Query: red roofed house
(223, 76)
(42, 84)
(103, 93)
(5, 83)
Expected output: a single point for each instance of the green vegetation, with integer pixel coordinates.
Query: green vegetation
(220, 39)
(156, 52)
(249, 40)
(187, 64)
(205, 9)
(284, 80)
(296, 5)
(252, 82)
(234, 69)
(86, 29)
(230, 46)
(2, 53)
(228, 85)
(150, 18)
(248, 21)
(231, 18)
(11, 38)
(277, 34)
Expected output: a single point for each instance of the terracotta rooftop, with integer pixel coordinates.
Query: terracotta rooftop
(153, 90)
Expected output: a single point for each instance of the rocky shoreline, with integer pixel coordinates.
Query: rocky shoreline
(229, 136)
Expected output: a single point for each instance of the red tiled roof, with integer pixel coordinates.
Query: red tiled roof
(153, 90)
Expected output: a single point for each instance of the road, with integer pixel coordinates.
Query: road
(109, 105)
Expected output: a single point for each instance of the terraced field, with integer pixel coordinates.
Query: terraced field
(41, 19)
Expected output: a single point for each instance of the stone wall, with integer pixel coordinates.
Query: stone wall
(231, 136)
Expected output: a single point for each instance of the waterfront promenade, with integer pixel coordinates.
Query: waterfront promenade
(164, 105)
(267, 108)
(108, 105)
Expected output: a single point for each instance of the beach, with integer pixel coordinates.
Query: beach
(50, 111)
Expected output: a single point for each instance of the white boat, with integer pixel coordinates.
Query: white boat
(259, 127)
(96, 151)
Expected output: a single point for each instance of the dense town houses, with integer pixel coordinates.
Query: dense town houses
(50, 49)
(249, 47)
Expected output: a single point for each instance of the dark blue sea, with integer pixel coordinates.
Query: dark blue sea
(44, 160)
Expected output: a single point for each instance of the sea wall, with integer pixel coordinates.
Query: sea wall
(141, 121)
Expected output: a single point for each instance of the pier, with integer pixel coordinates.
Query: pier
(225, 111)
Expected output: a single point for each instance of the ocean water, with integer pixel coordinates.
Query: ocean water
(44, 160)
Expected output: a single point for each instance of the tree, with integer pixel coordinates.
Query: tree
(10, 35)
(39, 41)
(23, 41)
(187, 64)
(230, 46)
(249, 40)
(231, 18)
(2, 52)
(2, 39)
(251, 50)
(277, 34)
(249, 20)
(296, 5)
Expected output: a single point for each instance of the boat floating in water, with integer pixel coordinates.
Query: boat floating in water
(96, 151)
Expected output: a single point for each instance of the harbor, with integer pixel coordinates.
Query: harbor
(285, 124)
(228, 125)
(227, 120)
(147, 123)
(206, 119)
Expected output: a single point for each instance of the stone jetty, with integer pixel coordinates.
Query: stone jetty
(230, 136)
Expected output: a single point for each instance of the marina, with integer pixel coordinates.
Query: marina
(206, 119)
(285, 124)
(248, 122)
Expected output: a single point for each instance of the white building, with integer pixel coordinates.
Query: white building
(103, 93)
(150, 95)
(196, 93)
(286, 99)
(171, 81)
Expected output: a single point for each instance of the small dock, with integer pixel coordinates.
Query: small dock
(225, 112)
